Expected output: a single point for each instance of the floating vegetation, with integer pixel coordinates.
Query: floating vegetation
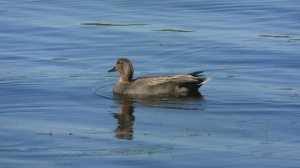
(60, 59)
(288, 90)
(111, 24)
(294, 39)
(74, 76)
(173, 30)
(275, 36)
(285, 89)
(289, 38)
(231, 76)
(134, 24)
(121, 152)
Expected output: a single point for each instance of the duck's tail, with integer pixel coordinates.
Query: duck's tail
(196, 74)
(200, 80)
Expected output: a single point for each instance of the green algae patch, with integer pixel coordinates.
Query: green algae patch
(121, 152)
(294, 39)
(110, 24)
(60, 59)
(174, 30)
(287, 37)
(274, 36)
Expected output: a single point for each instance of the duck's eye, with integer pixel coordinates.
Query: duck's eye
(118, 62)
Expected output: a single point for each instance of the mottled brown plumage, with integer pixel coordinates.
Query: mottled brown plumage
(171, 86)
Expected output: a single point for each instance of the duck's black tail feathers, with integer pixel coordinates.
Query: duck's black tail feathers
(200, 81)
(196, 74)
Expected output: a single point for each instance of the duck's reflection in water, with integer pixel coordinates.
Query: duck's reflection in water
(125, 117)
(125, 120)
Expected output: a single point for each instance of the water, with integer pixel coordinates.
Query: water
(56, 105)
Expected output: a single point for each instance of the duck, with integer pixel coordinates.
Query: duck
(152, 86)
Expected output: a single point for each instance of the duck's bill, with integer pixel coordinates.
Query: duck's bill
(113, 69)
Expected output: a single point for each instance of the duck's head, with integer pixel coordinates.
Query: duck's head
(125, 68)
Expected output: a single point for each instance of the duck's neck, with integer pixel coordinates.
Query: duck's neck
(126, 78)
(127, 74)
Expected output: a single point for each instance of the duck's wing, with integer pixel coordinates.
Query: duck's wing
(179, 85)
(177, 80)
(151, 80)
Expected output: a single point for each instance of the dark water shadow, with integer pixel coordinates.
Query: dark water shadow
(125, 117)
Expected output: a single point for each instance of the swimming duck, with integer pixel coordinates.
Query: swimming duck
(148, 86)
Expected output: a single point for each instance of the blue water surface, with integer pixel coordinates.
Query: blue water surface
(56, 105)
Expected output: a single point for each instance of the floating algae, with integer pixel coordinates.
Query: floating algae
(135, 24)
(110, 24)
(275, 36)
(60, 59)
(294, 39)
(289, 38)
(173, 30)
